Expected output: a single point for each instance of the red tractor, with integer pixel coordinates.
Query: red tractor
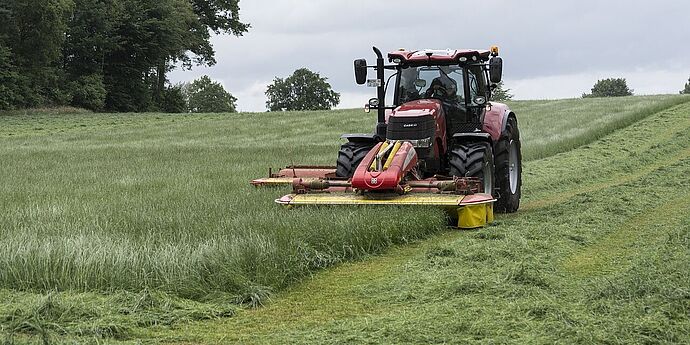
(441, 142)
(441, 105)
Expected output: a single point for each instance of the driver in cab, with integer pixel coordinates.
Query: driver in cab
(443, 87)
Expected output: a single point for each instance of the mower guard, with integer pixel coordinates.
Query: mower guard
(471, 211)
(450, 200)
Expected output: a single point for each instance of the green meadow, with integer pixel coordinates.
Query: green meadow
(119, 227)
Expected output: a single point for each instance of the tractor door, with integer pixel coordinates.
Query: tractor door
(477, 86)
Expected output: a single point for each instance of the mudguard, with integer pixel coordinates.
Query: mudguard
(495, 120)
(361, 138)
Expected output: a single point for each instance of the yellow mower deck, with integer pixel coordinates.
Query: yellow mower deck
(472, 211)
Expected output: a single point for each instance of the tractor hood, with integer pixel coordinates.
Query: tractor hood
(421, 122)
(418, 108)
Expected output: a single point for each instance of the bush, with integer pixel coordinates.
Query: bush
(88, 92)
(612, 87)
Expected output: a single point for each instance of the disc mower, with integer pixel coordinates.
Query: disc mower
(442, 142)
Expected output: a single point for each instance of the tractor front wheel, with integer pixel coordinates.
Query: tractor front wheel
(349, 157)
(509, 168)
(474, 160)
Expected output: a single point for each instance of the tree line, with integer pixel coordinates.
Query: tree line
(114, 55)
(110, 55)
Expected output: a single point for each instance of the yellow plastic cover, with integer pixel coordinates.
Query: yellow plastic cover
(475, 216)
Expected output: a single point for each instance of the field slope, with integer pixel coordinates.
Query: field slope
(128, 226)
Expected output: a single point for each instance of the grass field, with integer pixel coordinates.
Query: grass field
(117, 226)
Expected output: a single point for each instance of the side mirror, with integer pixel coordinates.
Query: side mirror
(495, 69)
(372, 104)
(361, 71)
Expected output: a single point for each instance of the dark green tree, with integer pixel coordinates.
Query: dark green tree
(10, 89)
(174, 100)
(499, 93)
(140, 38)
(126, 47)
(194, 48)
(152, 36)
(206, 96)
(303, 90)
(34, 32)
(88, 92)
(612, 87)
(686, 90)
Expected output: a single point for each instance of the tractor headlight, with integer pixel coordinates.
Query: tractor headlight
(421, 143)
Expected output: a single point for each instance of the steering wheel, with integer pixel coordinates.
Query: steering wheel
(437, 91)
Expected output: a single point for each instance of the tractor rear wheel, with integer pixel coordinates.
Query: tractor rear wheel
(509, 169)
(349, 157)
(474, 160)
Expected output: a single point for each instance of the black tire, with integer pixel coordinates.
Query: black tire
(508, 171)
(473, 160)
(349, 157)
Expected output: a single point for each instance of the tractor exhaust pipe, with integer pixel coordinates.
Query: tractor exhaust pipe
(381, 94)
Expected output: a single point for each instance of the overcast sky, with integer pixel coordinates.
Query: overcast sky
(551, 49)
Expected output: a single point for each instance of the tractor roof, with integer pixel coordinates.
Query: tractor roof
(438, 56)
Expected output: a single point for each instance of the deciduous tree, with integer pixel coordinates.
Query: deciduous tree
(612, 87)
(499, 93)
(303, 90)
(206, 96)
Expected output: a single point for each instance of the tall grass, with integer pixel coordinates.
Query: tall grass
(163, 202)
(104, 202)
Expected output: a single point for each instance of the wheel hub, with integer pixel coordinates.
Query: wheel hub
(488, 177)
(513, 168)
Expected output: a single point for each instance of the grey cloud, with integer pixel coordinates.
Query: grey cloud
(538, 39)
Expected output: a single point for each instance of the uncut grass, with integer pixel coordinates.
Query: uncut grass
(172, 210)
(105, 202)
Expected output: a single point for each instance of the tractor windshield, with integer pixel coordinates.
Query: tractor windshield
(441, 82)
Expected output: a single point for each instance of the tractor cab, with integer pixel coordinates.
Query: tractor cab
(445, 83)
(459, 79)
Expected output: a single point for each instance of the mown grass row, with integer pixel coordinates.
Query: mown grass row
(106, 202)
(551, 127)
